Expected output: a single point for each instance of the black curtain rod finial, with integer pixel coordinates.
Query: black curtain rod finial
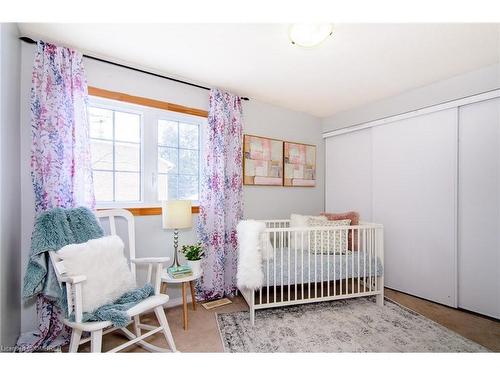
(31, 41)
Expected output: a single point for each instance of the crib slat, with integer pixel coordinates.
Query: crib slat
(328, 264)
(364, 262)
(334, 265)
(295, 249)
(346, 257)
(281, 264)
(309, 264)
(370, 264)
(274, 266)
(288, 243)
(315, 264)
(340, 268)
(267, 274)
(375, 265)
(302, 267)
(358, 274)
(322, 262)
(352, 263)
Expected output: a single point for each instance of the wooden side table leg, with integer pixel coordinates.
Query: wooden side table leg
(184, 305)
(193, 295)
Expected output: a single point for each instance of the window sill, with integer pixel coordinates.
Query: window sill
(145, 211)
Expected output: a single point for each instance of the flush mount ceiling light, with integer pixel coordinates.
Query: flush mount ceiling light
(310, 34)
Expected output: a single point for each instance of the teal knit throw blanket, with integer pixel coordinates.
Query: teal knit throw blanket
(53, 230)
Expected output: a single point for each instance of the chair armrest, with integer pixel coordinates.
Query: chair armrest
(150, 260)
(74, 279)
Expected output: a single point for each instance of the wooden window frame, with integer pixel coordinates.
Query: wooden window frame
(153, 103)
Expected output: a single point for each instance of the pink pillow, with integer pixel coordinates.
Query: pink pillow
(351, 215)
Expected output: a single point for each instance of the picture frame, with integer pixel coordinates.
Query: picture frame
(262, 161)
(299, 161)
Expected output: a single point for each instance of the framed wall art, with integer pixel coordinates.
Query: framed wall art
(300, 164)
(262, 161)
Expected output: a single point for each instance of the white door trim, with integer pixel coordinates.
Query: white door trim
(422, 111)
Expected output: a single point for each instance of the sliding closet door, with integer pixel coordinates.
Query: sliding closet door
(479, 208)
(414, 197)
(348, 173)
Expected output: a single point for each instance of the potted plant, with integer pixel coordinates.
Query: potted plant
(193, 254)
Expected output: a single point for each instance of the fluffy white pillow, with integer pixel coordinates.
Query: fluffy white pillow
(104, 264)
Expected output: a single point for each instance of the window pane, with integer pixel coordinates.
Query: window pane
(101, 123)
(188, 163)
(188, 187)
(127, 127)
(103, 186)
(102, 154)
(167, 160)
(188, 136)
(127, 157)
(167, 187)
(127, 186)
(167, 133)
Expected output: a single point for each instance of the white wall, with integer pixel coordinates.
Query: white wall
(475, 82)
(10, 199)
(259, 119)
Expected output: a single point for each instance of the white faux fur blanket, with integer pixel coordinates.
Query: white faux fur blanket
(251, 252)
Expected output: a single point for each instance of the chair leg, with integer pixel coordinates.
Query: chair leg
(162, 319)
(96, 341)
(76, 334)
(137, 329)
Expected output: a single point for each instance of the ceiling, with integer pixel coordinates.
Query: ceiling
(359, 64)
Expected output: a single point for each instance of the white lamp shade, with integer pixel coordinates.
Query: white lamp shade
(176, 214)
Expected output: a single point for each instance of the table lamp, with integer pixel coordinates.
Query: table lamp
(176, 215)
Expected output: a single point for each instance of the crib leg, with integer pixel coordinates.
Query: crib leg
(252, 308)
(380, 297)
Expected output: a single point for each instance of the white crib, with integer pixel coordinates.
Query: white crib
(298, 273)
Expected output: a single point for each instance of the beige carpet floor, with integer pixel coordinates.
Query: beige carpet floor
(203, 334)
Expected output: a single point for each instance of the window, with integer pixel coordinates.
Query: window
(115, 145)
(178, 160)
(142, 155)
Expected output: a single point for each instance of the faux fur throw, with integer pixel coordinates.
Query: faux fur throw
(253, 248)
(54, 229)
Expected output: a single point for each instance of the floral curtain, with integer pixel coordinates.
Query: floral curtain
(221, 195)
(60, 159)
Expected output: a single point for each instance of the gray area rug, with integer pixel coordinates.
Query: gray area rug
(353, 325)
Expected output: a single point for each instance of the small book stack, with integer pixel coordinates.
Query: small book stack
(179, 272)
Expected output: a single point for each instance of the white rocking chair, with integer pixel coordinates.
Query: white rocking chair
(154, 303)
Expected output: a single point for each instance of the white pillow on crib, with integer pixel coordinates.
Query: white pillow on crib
(104, 264)
(297, 220)
(329, 241)
(267, 248)
(301, 221)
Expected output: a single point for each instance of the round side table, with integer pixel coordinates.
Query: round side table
(184, 281)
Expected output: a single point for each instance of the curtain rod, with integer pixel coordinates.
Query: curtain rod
(31, 41)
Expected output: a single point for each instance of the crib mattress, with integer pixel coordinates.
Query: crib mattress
(328, 267)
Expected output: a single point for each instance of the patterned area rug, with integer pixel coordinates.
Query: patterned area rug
(354, 325)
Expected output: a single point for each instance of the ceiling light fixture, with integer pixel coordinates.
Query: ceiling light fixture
(310, 34)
